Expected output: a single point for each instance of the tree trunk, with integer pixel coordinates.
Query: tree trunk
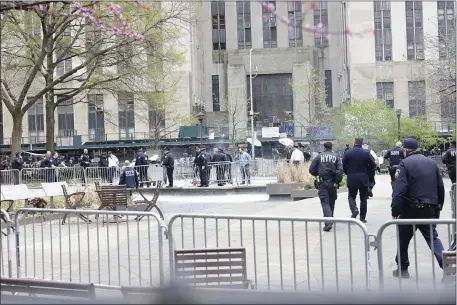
(16, 137)
(50, 121)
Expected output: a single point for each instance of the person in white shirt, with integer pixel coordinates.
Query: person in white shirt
(297, 156)
(376, 159)
(113, 164)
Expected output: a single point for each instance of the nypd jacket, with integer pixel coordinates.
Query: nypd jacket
(328, 167)
(394, 155)
(418, 178)
(129, 178)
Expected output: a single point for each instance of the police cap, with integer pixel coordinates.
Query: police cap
(410, 143)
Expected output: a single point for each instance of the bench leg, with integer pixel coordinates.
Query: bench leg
(84, 218)
(64, 218)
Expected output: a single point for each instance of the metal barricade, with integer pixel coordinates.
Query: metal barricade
(428, 273)
(10, 177)
(118, 251)
(33, 177)
(222, 173)
(6, 242)
(452, 194)
(282, 253)
(103, 174)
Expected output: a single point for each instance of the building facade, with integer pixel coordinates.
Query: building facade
(395, 64)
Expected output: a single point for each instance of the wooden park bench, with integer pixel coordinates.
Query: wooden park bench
(113, 198)
(449, 266)
(212, 268)
(139, 294)
(45, 289)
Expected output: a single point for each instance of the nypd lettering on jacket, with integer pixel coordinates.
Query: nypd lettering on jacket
(453, 153)
(394, 152)
(129, 172)
(328, 158)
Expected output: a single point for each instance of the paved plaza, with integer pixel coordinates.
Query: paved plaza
(280, 254)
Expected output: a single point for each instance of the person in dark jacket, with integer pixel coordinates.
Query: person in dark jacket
(449, 160)
(219, 160)
(141, 165)
(395, 156)
(358, 165)
(84, 161)
(169, 164)
(201, 161)
(418, 193)
(129, 176)
(289, 151)
(228, 166)
(46, 162)
(347, 148)
(18, 163)
(103, 167)
(328, 167)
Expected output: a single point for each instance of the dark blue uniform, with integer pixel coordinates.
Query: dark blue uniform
(202, 163)
(395, 156)
(169, 163)
(418, 193)
(141, 163)
(328, 167)
(129, 178)
(449, 160)
(359, 167)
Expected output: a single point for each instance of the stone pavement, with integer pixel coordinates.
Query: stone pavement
(294, 254)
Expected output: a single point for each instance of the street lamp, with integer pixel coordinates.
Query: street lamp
(200, 117)
(251, 113)
(398, 112)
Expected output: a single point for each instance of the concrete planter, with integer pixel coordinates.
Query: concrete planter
(282, 189)
(311, 193)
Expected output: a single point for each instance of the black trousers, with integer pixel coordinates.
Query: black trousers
(452, 176)
(143, 173)
(406, 233)
(170, 175)
(220, 174)
(327, 195)
(392, 171)
(363, 194)
(204, 176)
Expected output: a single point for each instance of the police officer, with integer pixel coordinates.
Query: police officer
(328, 167)
(141, 162)
(359, 166)
(18, 163)
(84, 161)
(395, 156)
(169, 164)
(418, 193)
(129, 176)
(449, 159)
(219, 159)
(202, 163)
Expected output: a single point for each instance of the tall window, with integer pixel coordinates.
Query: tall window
(63, 56)
(243, 14)
(32, 24)
(218, 17)
(383, 30)
(328, 88)
(272, 96)
(295, 25)
(156, 120)
(414, 30)
(270, 39)
(66, 119)
(446, 29)
(447, 100)
(35, 117)
(96, 117)
(321, 20)
(416, 92)
(216, 97)
(126, 116)
(125, 57)
(385, 92)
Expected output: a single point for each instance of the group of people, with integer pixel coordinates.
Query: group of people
(418, 189)
(222, 160)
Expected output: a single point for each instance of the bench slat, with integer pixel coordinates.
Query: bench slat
(210, 256)
(179, 252)
(230, 286)
(215, 279)
(46, 283)
(184, 273)
(210, 264)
